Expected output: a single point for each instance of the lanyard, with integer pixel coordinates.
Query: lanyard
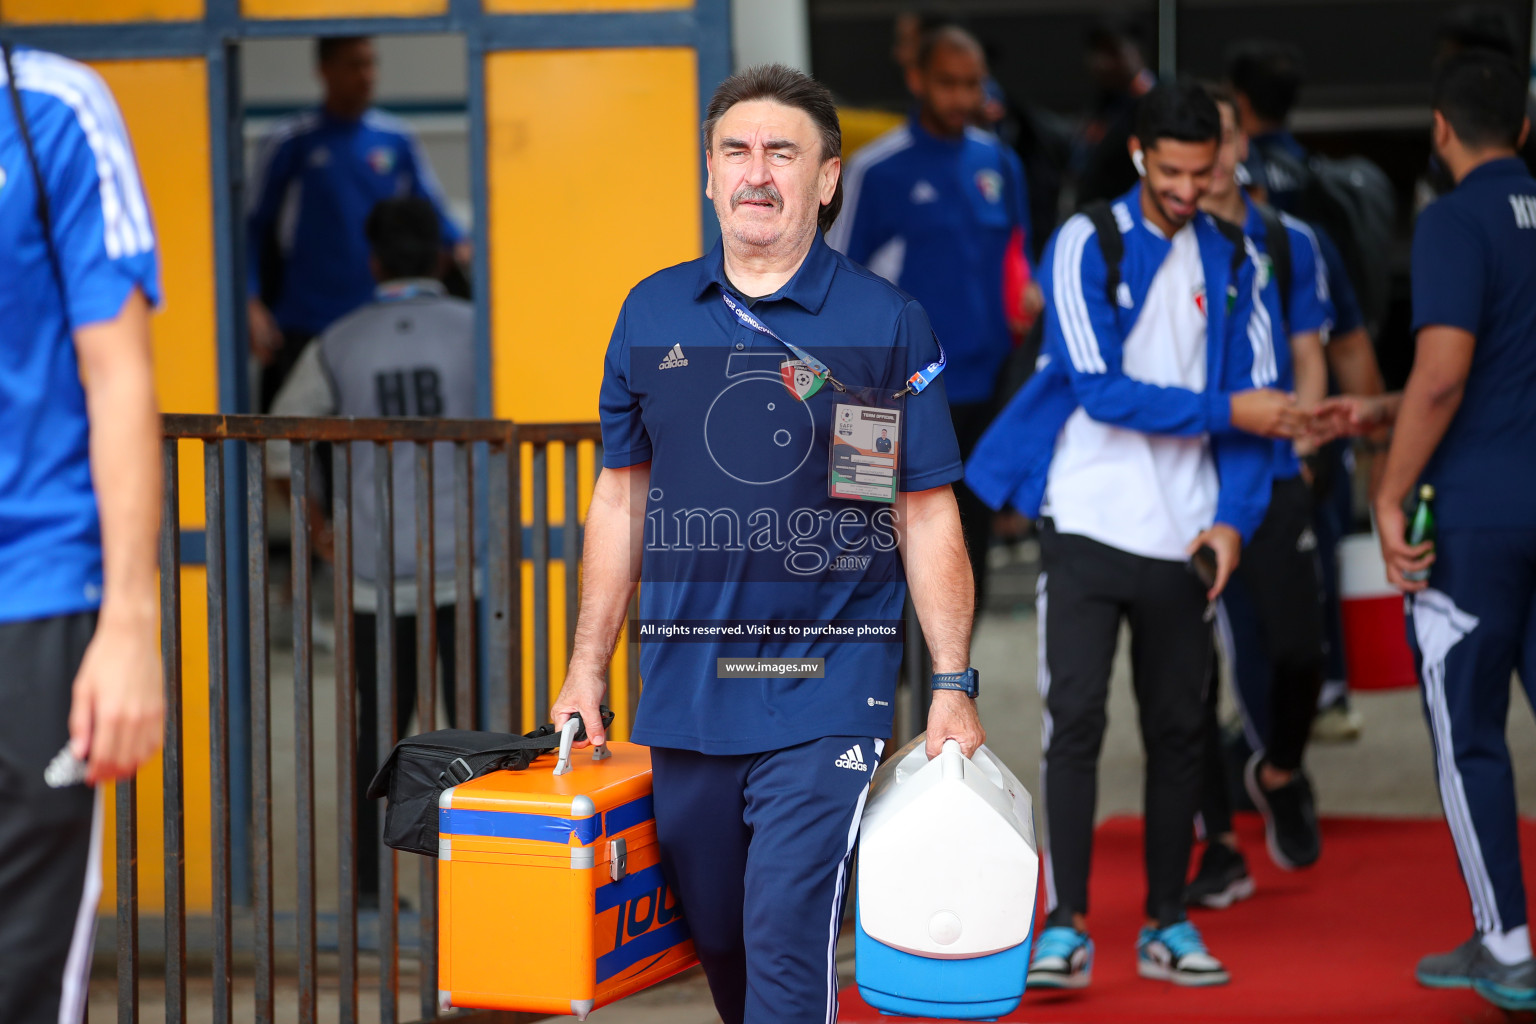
(747, 319)
(922, 378)
(915, 383)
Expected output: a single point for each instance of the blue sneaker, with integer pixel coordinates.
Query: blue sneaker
(1063, 959)
(1177, 954)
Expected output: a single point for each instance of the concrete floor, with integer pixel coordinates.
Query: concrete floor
(1388, 772)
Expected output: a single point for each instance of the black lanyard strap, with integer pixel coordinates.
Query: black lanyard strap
(44, 211)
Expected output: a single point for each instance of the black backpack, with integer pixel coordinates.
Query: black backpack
(421, 767)
(1352, 201)
(1277, 243)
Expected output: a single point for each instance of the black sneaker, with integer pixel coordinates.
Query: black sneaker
(1222, 880)
(1290, 817)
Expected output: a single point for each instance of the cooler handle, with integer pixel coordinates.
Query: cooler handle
(567, 737)
(952, 760)
(572, 731)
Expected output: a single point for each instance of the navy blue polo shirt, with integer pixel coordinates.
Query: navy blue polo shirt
(935, 217)
(50, 531)
(1474, 267)
(740, 535)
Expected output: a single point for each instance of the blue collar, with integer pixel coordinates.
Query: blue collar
(1503, 167)
(330, 120)
(923, 137)
(807, 289)
(1132, 200)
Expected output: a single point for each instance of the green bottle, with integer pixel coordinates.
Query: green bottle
(1421, 528)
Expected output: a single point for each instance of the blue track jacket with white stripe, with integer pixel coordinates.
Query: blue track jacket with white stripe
(318, 179)
(1080, 366)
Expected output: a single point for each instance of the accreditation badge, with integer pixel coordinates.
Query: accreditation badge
(866, 446)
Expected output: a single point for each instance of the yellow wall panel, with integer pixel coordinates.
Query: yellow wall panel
(527, 6)
(165, 106)
(65, 12)
(340, 8)
(594, 170)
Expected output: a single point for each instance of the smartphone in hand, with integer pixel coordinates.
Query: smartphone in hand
(1203, 564)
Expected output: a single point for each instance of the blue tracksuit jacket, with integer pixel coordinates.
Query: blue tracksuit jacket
(1080, 366)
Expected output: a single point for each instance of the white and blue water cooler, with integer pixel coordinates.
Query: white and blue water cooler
(948, 869)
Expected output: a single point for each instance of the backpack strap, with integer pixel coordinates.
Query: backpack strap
(1111, 245)
(1234, 234)
(44, 209)
(1277, 241)
(474, 757)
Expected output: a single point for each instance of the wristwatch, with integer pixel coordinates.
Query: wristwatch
(967, 682)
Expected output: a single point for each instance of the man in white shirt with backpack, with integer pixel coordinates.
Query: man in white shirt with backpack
(1137, 444)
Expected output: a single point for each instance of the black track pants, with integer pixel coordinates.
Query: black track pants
(50, 839)
(1273, 621)
(1086, 590)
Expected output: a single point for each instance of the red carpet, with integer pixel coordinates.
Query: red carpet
(1336, 943)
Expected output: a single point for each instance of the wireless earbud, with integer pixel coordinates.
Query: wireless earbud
(1139, 161)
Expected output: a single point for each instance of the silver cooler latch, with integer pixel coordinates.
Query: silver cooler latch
(618, 859)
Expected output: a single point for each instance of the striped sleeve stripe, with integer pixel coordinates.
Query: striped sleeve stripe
(125, 211)
(1088, 340)
(1071, 305)
(1260, 328)
(1318, 266)
(886, 146)
(284, 130)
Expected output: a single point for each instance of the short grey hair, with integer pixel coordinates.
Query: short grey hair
(792, 88)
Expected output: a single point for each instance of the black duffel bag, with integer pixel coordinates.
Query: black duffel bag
(421, 767)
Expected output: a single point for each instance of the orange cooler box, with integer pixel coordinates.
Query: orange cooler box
(550, 895)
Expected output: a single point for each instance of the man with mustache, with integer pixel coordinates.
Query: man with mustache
(721, 387)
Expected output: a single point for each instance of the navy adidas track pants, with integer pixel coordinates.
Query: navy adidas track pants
(757, 848)
(1472, 628)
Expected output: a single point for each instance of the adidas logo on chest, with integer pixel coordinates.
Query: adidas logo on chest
(853, 759)
(673, 359)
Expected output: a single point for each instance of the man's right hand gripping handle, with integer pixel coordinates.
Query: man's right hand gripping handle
(583, 692)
